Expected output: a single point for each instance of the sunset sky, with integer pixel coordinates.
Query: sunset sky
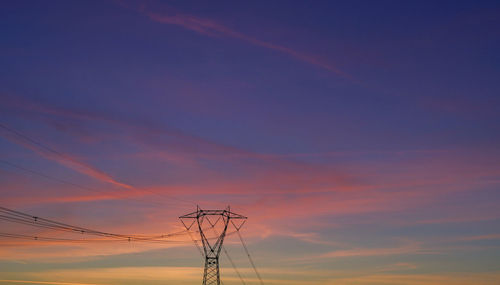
(361, 138)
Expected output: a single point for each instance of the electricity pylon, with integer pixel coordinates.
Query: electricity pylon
(211, 250)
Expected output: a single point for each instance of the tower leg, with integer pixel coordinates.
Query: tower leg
(211, 273)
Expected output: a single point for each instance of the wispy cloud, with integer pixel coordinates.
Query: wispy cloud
(406, 248)
(363, 252)
(212, 28)
(482, 237)
(281, 186)
(30, 200)
(61, 158)
(165, 143)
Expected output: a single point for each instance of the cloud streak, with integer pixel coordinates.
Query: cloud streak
(211, 28)
(186, 150)
(61, 158)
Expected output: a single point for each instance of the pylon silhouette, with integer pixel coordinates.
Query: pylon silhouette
(211, 250)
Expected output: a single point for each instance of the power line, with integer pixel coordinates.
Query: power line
(47, 148)
(249, 257)
(226, 253)
(71, 183)
(42, 238)
(47, 176)
(26, 219)
(233, 265)
(211, 251)
(192, 238)
(32, 140)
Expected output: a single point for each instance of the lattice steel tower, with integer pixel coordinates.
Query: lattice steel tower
(212, 244)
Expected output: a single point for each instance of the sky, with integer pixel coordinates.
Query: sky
(360, 138)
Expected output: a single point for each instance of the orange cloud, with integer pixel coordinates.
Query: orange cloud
(64, 199)
(45, 282)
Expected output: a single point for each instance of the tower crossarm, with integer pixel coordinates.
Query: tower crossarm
(212, 250)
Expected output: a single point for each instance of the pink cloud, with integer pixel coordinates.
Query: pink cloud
(65, 159)
(283, 185)
(185, 150)
(37, 200)
(211, 28)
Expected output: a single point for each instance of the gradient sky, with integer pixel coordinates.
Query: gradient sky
(361, 138)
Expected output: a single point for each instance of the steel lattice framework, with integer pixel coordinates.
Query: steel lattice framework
(211, 250)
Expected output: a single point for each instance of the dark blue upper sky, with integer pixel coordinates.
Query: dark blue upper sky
(416, 69)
